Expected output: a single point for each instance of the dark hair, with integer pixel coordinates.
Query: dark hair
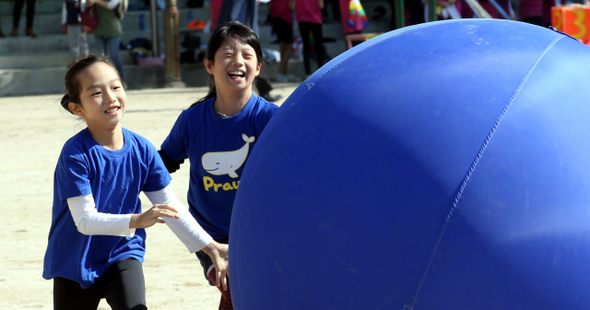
(232, 29)
(72, 86)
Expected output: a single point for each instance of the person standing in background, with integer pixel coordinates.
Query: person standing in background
(214, 7)
(72, 25)
(108, 32)
(281, 19)
(309, 16)
(2, 34)
(531, 11)
(16, 14)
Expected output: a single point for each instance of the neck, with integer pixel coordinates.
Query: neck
(230, 104)
(109, 139)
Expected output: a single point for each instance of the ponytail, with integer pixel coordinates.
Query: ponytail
(65, 102)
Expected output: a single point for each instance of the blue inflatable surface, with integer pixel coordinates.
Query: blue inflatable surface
(439, 166)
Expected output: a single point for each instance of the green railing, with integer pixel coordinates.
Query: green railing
(400, 16)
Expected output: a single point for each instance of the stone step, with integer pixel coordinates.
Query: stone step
(48, 16)
(50, 23)
(34, 59)
(49, 80)
(27, 74)
(37, 66)
(49, 60)
(51, 43)
(43, 7)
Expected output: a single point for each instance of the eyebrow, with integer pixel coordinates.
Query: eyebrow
(227, 46)
(96, 85)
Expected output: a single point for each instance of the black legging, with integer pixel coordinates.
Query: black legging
(262, 85)
(306, 29)
(123, 286)
(18, 9)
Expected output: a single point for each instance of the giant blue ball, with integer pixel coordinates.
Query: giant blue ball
(439, 166)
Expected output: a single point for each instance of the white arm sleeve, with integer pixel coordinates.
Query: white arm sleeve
(64, 14)
(186, 228)
(112, 4)
(90, 222)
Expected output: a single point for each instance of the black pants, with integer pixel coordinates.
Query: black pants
(18, 9)
(123, 286)
(535, 20)
(306, 29)
(263, 87)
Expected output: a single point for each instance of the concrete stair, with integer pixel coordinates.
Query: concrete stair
(37, 66)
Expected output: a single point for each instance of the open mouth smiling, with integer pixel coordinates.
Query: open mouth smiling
(236, 74)
(113, 109)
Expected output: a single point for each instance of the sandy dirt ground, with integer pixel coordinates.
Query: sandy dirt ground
(32, 132)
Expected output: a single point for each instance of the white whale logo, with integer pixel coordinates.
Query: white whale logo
(220, 163)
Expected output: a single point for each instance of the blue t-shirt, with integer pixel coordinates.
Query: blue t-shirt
(217, 149)
(115, 179)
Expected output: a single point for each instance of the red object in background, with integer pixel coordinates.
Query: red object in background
(573, 20)
(89, 19)
(196, 24)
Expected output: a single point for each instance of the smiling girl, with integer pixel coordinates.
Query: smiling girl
(97, 238)
(220, 130)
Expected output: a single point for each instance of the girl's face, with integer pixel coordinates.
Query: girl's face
(234, 67)
(103, 98)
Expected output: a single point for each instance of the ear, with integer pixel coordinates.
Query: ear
(258, 68)
(75, 108)
(208, 65)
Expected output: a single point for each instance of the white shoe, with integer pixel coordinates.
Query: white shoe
(282, 78)
(285, 78)
(293, 78)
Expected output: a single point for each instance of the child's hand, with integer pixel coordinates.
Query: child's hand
(152, 216)
(218, 253)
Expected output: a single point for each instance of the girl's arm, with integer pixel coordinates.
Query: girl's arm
(91, 222)
(194, 237)
(171, 165)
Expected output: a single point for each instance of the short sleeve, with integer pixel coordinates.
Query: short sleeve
(174, 146)
(158, 176)
(72, 176)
